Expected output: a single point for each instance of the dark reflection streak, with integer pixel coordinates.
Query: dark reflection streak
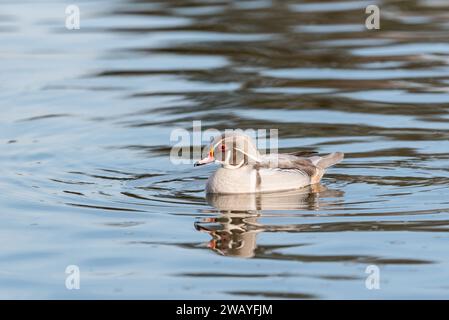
(266, 275)
(83, 88)
(154, 188)
(132, 195)
(47, 116)
(274, 294)
(73, 182)
(260, 254)
(169, 201)
(135, 73)
(75, 193)
(126, 224)
(101, 30)
(186, 204)
(102, 207)
(134, 177)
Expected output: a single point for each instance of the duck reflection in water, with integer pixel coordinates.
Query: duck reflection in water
(234, 230)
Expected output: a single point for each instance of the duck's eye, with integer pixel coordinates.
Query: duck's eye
(223, 147)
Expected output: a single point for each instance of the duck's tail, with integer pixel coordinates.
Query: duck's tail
(330, 160)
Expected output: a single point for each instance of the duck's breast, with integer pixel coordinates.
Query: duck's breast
(231, 181)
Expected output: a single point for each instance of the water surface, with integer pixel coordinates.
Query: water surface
(85, 142)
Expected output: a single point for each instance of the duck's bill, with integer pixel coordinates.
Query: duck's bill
(204, 161)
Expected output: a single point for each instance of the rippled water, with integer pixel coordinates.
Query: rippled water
(85, 142)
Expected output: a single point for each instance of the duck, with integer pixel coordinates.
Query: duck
(243, 169)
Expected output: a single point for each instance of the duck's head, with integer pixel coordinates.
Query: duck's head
(232, 150)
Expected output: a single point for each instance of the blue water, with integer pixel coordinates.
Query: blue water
(85, 143)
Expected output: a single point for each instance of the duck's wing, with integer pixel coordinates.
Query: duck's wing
(288, 162)
(303, 153)
(312, 167)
